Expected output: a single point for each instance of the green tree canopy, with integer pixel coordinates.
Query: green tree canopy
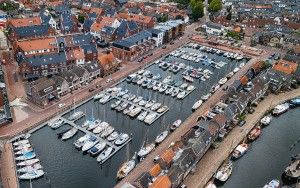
(197, 9)
(80, 18)
(215, 5)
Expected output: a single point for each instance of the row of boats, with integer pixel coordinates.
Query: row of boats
(167, 86)
(231, 55)
(28, 165)
(128, 166)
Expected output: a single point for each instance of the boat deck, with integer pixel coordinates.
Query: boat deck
(116, 148)
(158, 115)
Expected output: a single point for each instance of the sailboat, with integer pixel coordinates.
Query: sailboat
(126, 167)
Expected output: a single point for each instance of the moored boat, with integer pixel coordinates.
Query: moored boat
(197, 104)
(113, 136)
(25, 169)
(149, 119)
(69, 134)
(107, 131)
(105, 154)
(142, 116)
(56, 123)
(32, 175)
(273, 184)
(76, 115)
(175, 125)
(97, 148)
(28, 162)
(21, 147)
(266, 120)
(181, 95)
(161, 137)
(224, 171)
(121, 139)
(280, 109)
(145, 150)
(125, 169)
(21, 142)
(162, 109)
(240, 150)
(254, 133)
(80, 142)
(103, 125)
(89, 143)
(26, 156)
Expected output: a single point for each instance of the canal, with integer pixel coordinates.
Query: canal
(67, 167)
(269, 155)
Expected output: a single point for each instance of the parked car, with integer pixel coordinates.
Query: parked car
(140, 60)
(242, 123)
(164, 47)
(61, 105)
(91, 89)
(109, 80)
(172, 43)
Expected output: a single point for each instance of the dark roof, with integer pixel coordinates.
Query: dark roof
(67, 22)
(122, 2)
(46, 59)
(58, 80)
(29, 31)
(107, 30)
(214, 25)
(143, 180)
(92, 66)
(79, 71)
(82, 39)
(133, 40)
(59, 9)
(45, 16)
(68, 76)
(41, 84)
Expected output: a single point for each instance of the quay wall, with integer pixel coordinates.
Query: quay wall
(214, 158)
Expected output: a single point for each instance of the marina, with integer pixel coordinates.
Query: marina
(139, 130)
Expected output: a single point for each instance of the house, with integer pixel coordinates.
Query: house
(143, 180)
(41, 91)
(93, 69)
(136, 45)
(62, 9)
(161, 182)
(76, 56)
(72, 79)
(97, 27)
(108, 63)
(82, 74)
(144, 22)
(172, 29)
(47, 18)
(62, 86)
(214, 28)
(68, 23)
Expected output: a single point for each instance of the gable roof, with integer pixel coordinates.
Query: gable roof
(37, 44)
(30, 31)
(23, 22)
(46, 59)
(161, 182)
(286, 67)
(133, 40)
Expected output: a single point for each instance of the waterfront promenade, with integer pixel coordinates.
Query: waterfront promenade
(211, 161)
(9, 177)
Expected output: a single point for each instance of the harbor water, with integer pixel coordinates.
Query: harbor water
(269, 155)
(67, 167)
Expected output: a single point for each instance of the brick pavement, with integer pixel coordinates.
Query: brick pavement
(211, 161)
(8, 172)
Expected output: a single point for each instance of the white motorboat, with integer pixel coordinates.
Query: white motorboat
(97, 148)
(56, 123)
(142, 103)
(139, 82)
(190, 88)
(175, 125)
(69, 134)
(87, 123)
(149, 119)
(32, 175)
(28, 162)
(273, 184)
(107, 131)
(113, 136)
(26, 156)
(197, 104)
(146, 73)
(26, 169)
(21, 147)
(121, 139)
(266, 120)
(131, 97)
(93, 125)
(162, 109)
(25, 150)
(105, 154)
(183, 86)
(161, 137)
(21, 142)
(240, 150)
(122, 106)
(188, 78)
(163, 88)
(235, 70)
(222, 81)
(205, 97)
(141, 71)
(181, 95)
(229, 75)
(104, 99)
(99, 95)
(280, 109)
(155, 106)
(115, 104)
(169, 90)
(125, 169)
(149, 103)
(80, 142)
(224, 171)
(137, 99)
(135, 111)
(157, 86)
(167, 80)
(241, 65)
(175, 92)
(128, 109)
(76, 115)
(126, 96)
(210, 185)
(145, 150)
(89, 143)
(102, 126)
(142, 116)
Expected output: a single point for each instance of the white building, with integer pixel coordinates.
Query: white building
(214, 28)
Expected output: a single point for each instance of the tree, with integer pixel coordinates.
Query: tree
(81, 18)
(215, 5)
(229, 15)
(197, 9)
(162, 18)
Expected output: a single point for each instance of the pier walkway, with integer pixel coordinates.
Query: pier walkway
(110, 144)
(9, 176)
(211, 161)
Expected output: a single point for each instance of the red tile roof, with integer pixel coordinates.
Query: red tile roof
(22, 22)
